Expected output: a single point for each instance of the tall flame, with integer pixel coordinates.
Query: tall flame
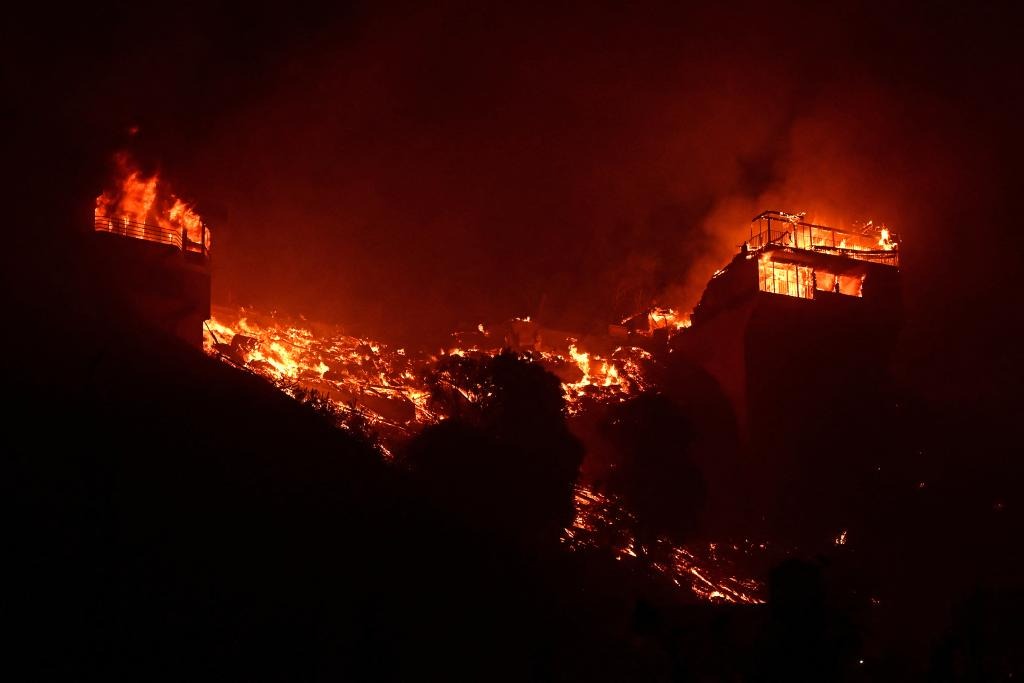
(139, 198)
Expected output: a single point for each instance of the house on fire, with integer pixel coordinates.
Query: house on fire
(797, 328)
(160, 273)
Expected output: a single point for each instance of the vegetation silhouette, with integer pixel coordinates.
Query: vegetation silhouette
(654, 474)
(506, 457)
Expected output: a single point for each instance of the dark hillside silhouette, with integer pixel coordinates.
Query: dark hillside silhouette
(507, 459)
(654, 473)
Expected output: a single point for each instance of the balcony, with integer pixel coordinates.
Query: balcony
(782, 230)
(177, 238)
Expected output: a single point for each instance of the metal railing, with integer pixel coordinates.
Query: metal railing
(151, 233)
(776, 228)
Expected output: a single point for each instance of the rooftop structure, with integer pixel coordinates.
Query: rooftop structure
(796, 331)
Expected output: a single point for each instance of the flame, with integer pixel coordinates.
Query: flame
(884, 240)
(133, 199)
(383, 380)
(136, 198)
(181, 214)
(822, 238)
(602, 379)
(668, 318)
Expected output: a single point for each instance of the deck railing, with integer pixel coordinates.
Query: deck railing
(178, 239)
(775, 228)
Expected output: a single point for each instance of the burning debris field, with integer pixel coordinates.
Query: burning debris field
(392, 386)
(393, 390)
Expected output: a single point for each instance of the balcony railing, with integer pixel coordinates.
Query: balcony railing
(151, 233)
(775, 228)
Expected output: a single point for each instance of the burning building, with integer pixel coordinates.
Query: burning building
(796, 330)
(797, 322)
(155, 252)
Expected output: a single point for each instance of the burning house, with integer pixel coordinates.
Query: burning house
(796, 331)
(797, 323)
(155, 250)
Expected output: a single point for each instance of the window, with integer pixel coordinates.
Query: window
(788, 279)
(850, 285)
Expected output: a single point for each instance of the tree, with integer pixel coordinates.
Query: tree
(653, 473)
(506, 458)
(351, 419)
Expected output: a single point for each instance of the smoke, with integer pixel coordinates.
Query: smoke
(833, 160)
(406, 172)
(456, 166)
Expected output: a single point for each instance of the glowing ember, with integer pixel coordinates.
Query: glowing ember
(389, 384)
(352, 372)
(710, 575)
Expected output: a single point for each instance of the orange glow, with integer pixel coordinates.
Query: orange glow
(884, 240)
(668, 318)
(850, 285)
(388, 384)
(774, 229)
(789, 279)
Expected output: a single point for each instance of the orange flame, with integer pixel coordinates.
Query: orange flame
(141, 199)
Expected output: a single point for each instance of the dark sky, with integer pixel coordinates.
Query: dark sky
(403, 170)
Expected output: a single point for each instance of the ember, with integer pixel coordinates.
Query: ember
(709, 571)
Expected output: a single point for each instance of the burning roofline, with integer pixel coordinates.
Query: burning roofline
(875, 244)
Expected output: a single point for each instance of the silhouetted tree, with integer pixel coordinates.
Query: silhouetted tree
(653, 474)
(506, 458)
(983, 642)
(352, 419)
(807, 637)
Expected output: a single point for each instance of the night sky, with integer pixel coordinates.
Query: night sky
(406, 170)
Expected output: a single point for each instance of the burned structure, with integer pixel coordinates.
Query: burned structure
(799, 320)
(159, 272)
(796, 330)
